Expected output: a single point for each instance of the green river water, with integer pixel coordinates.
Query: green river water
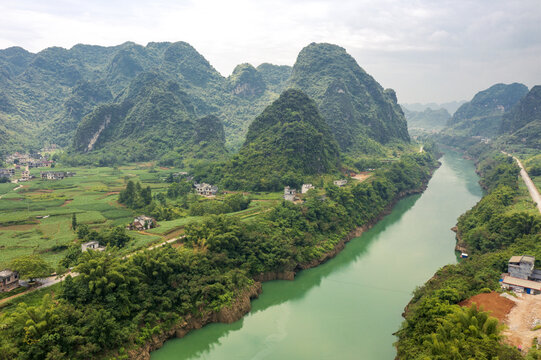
(349, 307)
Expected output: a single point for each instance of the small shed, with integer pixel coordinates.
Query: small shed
(91, 245)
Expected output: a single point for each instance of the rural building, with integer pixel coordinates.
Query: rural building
(521, 275)
(55, 175)
(340, 183)
(9, 280)
(306, 187)
(142, 222)
(205, 189)
(289, 194)
(25, 175)
(91, 245)
(7, 172)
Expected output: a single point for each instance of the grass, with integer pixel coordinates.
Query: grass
(33, 298)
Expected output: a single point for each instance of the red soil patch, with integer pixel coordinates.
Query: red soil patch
(23, 227)
(112, 193)
(164, 168)
(66, 202)
(174, 234)
(497, 305)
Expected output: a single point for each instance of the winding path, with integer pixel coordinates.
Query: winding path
(534, 193)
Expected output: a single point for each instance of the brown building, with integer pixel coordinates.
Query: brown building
(142, 223)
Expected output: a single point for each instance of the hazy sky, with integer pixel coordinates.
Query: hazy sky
(427, 50)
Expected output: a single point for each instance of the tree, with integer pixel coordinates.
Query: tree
(74, 222)
(31, 267)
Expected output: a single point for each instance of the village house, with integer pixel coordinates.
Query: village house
(55, 175)
(25, 175)
(206, 189)
(306, 187)
(91, 245)
(340, 183)
(7, 172)
(142, 222)
(9, 280)
(289, 194)
(521, 276)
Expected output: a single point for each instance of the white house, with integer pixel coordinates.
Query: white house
(91, 245)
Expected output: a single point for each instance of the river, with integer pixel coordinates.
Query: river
(349, 307)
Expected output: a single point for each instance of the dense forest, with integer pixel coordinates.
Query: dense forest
(117, 304)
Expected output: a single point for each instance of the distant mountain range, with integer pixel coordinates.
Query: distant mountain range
(509, 115)
(482, 116)
(450, 106)
(133, 102)
(427, 120)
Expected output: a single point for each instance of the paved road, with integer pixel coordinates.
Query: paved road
(534, 193)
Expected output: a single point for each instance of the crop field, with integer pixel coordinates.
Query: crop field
(36, 218)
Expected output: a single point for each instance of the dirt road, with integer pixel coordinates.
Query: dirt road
(521, 319)
(534, 193)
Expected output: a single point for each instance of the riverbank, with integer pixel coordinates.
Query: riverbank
(242, 304)
(229, 314)
(349, 307)
(492, 231)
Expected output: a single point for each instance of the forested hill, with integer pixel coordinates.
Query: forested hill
(44, 96)
(482, 116)
(522, 124)
(289, 139)
(54, 96)
(153, 119)
(360, 113)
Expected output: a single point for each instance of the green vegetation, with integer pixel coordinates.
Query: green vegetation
(154, 117)
(289, 139)
(150, 100)
(135, 196)
(45, 96)
(521, 126)
(118, 303)
(31, 267)
(38, 218)
(482, 116)
(359, 112)
(493, 230)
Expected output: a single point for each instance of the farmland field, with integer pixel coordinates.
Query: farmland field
(36, 219)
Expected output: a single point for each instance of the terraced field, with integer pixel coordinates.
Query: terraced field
(37, 217)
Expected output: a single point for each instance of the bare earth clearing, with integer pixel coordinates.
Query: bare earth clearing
(518, 314)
